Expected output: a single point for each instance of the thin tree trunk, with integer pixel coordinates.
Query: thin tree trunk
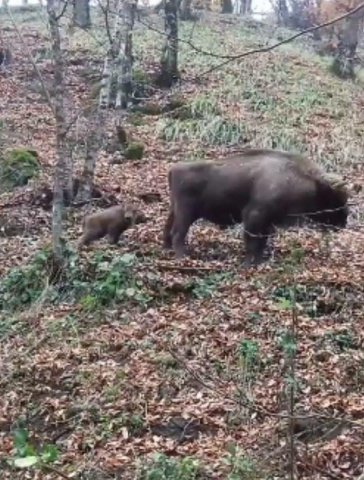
(348, 41)
(185, 10)
(60, 173)
(117, 71)
(227, 6)
(24, 3)
(93, 142)
(124, 60)
(169, 62)
(81, 14)
(282, 12)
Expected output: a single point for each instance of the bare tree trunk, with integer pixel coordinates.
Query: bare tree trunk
(81, 13)
(24, 3)
(185, 10)
(226, 6)
(282, 12)
(159, 6)
(124, 60)
(5, 3)
(169, 62)
(93, 142)
(60, 174)
(118, 62)
(349, 31)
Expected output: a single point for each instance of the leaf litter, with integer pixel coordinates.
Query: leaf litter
(108, 388)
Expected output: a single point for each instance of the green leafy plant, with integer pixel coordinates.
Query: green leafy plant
(241, 467)
(344, 340)
(134, 151)
(26, 456)
(207, 287)
(112, 280)
(249, 354)
(165, 468)
(17, 167)
(24, 285)
(99, 283)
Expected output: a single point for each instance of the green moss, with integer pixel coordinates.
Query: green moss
(134, 151)
(17, 167)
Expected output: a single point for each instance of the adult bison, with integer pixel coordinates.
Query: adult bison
(262, 189)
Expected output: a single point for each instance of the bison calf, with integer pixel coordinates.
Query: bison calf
(112, 222)
(262, 189)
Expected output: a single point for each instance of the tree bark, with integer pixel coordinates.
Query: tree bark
(124, 60)
(81, 14)
(227, 6)
(185, 10)
(169, 63)
(282, 12)
(119, 59)
(348, 41)
(61, 168)
(93, 142)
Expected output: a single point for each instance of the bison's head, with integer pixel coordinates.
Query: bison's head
(333, 208)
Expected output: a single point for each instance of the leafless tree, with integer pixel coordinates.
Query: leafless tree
(226, 6)
(185, 10)
(349, 31)
(81, 13)
(62, 173)
(118, 61)
(169, 62)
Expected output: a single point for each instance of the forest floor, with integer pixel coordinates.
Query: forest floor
(193, 359)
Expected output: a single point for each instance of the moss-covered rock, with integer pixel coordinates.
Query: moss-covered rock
(17, 167)
(134, 151)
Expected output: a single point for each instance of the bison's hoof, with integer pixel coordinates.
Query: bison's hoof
(252, 262)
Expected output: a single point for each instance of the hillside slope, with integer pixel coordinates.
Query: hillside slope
(194, 357)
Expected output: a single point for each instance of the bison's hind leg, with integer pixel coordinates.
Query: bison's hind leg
(256, 233)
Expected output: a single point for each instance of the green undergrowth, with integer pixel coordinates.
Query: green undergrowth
(100, 282)
(17, 167)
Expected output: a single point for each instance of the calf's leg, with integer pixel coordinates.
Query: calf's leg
(90, 236)
(114, 234)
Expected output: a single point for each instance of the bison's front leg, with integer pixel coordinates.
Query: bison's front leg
(182, 222)
(167, 234)
(256, 233)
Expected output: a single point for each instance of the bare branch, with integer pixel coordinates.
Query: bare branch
(62, 11)
(36, 69)
(283, 42)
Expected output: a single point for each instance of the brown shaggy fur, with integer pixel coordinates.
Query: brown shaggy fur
(112, 222)
(260, 188)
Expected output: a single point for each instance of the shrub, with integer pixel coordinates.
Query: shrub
(134, 151)
(17, 167)
(164, 468)
(99, 283)
(24, 285)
